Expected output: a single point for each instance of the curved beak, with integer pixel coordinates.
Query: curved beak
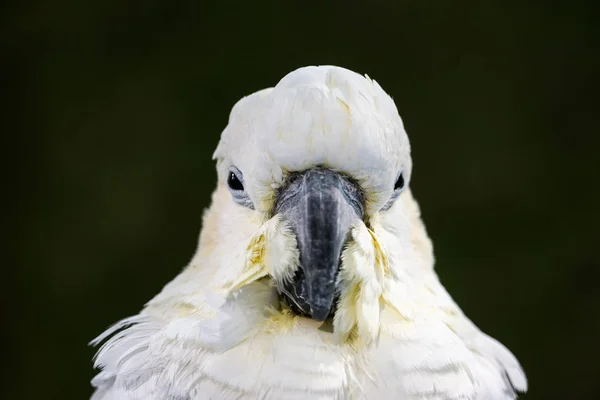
(321, 206)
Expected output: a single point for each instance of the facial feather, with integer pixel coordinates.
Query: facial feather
(317, 116)
(222, 329)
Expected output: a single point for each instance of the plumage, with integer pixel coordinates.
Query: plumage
(222, 328)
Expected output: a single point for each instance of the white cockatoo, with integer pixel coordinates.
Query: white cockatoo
(313, 277)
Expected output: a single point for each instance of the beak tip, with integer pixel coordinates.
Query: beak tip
(320, 313)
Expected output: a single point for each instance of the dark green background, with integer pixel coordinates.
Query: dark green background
(113, 109)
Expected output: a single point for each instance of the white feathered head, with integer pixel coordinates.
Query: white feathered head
(314, 273)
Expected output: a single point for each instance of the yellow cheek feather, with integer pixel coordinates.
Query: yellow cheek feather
(361, 282)
(271, 251)
(254, 264)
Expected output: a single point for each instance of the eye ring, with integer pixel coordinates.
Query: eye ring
(234, 182)
(399, 185)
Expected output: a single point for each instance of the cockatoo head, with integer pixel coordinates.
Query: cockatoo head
(316, 117)
(314, 274)
(308, 172)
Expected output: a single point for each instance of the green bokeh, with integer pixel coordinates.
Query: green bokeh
(114, 109)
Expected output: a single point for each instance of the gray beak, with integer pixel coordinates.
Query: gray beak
(321, 206)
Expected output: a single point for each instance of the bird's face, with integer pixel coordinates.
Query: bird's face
(309, 173)
(314, 275)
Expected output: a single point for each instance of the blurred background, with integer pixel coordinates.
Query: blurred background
(113, 109)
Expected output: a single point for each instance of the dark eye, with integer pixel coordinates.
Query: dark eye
(234, 182)
(399, 183)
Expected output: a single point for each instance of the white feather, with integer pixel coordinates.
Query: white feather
(219, 331)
